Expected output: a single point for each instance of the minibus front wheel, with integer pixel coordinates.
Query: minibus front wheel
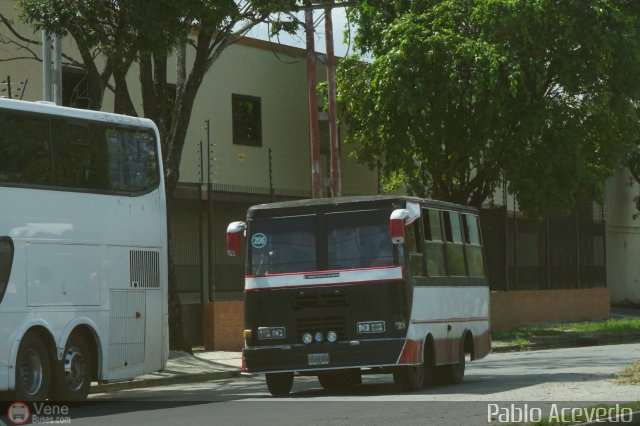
(410, 377)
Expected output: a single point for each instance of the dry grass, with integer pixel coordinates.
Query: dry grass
(630, 375)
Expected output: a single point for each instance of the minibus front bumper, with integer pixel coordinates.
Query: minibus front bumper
(323, 356)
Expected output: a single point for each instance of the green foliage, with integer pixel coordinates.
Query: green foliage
(460, 93)
(111, 26)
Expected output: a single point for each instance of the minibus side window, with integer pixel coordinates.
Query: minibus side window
(473, 247)
(454, 247)
(433, 244)
(414, 247)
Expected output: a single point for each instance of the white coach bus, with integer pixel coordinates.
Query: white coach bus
(83, 249)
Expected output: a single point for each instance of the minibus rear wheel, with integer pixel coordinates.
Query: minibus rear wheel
(452, 374)
(279, 384)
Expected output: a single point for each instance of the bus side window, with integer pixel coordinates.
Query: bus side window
(132, 159)
(77, 158)
(434, 245)
(25, 149)
(473, 246)
(414, 247)
(454, 247)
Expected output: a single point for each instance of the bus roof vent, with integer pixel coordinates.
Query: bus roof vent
(144, 268)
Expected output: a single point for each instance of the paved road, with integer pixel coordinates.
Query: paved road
(583, 375)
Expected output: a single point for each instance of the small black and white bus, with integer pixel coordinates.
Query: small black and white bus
(376, 284)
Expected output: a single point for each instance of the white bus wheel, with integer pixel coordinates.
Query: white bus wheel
(73, 372)
(279, 384)
(33, 370)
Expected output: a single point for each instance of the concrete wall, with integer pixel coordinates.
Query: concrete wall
(510, 309)
(623, 239)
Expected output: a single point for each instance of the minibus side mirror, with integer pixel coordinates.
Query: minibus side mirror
(396, 225)
(235, 232)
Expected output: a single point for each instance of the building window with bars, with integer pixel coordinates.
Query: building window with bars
(247, 120)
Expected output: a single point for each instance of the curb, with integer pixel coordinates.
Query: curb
(575, 342)
(163, 381)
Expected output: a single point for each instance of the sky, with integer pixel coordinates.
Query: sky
(298, 40)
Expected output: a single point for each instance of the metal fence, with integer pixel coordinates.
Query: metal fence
(562, 251)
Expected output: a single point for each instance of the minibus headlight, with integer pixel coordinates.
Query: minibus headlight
(271, 333)
(332, 336)
(319, 337)
(307, 338)
(371, 327)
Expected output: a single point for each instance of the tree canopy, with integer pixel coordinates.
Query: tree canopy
(460, 94)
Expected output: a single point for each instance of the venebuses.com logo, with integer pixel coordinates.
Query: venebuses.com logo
(18, 413)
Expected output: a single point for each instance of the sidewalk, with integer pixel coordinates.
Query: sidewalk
(216, 365)
(183, 368)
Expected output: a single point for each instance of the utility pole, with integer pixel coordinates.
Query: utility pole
(211, 234)
(57, 70)
(314, 130)
(334, 150)
(46, 67)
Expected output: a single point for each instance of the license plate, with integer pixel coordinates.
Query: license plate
(318, 359)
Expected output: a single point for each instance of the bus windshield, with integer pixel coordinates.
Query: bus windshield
(284, 244)
(356, 239)
(359, 239)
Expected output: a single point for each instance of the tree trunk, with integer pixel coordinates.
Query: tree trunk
(122, 103)
(177, 338)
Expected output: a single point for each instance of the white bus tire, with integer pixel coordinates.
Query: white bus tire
(73, 373)
(33, 369)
